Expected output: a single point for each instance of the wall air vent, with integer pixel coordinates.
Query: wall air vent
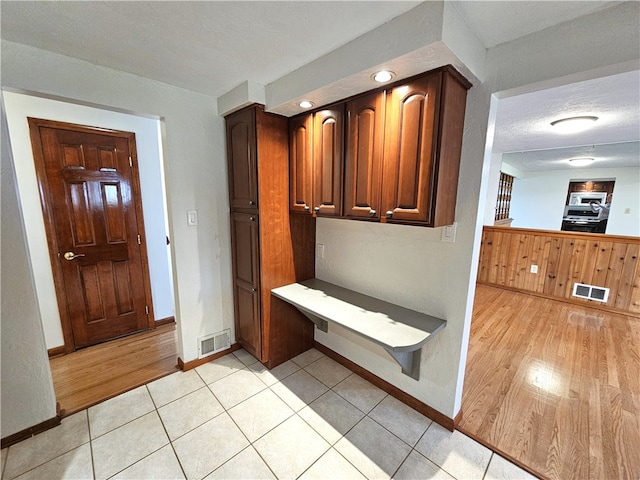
(590, 292)
(213, 343)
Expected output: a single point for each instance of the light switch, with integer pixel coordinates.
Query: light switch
(320, 250)
(192, 218)
(449, 233)
(534, 268)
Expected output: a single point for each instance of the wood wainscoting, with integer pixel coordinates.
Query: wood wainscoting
(563, 258)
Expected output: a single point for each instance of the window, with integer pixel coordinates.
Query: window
(504, 196)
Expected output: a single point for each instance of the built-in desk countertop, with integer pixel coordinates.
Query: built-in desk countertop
(400, 331)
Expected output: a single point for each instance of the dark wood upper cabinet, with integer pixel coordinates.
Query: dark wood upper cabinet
(241, 157)
(363, 156)
(316, 157)
(401, 146)
(423, 142)
(410, 154)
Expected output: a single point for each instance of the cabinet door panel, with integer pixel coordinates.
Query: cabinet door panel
(301, 164)
(364, 154)
(248, 325)
(327, 161)
(246, 248)
(246, 261)
(410, 150)
(241, 156)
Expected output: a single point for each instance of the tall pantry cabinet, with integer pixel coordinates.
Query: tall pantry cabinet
(269, 249)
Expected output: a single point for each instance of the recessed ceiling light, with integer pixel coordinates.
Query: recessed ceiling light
(573, 124)
(383, 76)
(306, 104)
(581, 162)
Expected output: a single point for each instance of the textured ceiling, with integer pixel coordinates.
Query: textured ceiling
(523, 124)
(496, 22)
(208, 47)
(211, 47)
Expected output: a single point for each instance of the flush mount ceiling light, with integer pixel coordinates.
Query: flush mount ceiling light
(581, 162)
(383, 76)
(573, 124)
(306, 104)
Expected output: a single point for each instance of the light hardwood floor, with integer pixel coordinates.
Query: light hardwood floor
(554, 386)
(88, 376)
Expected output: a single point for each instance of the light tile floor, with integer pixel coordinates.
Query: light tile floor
(231, 418)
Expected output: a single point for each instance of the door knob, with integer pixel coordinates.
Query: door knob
(389, 214)
(70, 255)
(372, 213)
(316, 209)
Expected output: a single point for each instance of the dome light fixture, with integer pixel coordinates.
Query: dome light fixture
(581, 162)
(306, 104)
(383, 76)
(574, 124)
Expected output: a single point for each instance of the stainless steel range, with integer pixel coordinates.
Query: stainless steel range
(590, 216)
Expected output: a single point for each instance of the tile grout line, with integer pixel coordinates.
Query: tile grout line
(93, 463)
(487, 467)
(166, 433)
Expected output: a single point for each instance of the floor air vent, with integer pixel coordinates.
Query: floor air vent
(213, 343)
(590, 292)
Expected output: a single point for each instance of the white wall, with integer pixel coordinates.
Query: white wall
(195, 172)
(538, 198)
(18, 107)
(27, 397)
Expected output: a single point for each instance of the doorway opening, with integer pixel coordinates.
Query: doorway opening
(148, 138)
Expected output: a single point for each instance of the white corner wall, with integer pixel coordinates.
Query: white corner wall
(195, 173)
(538, 198)
(27, 397)
(18, 108)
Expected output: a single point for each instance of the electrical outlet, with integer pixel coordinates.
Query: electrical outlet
(320, 250)
(534, 268)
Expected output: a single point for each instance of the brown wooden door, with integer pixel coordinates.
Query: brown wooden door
(242, 158)
(327, 161)
(410, 150)
(246, 268)
(363, 158)
(88, 189)
(301, 164)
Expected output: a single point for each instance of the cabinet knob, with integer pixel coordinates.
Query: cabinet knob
(306, 208)
(253, 219)
(251, 202)
(372, 213)
(253, 290)
(316, 209)
(389, 214)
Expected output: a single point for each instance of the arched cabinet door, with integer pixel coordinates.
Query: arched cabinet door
(423, 142)
(410, 150)
(327, 161)
(301, 164)
(363, 158)
(242, 160)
